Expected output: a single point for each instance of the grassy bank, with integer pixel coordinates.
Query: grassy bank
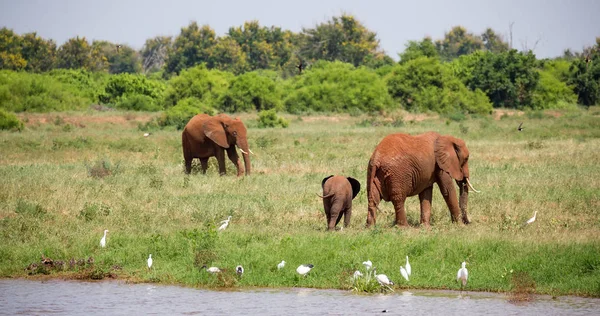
(68, 176)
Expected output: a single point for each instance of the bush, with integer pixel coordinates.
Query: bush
(9, 121)
(124, 86)
(551, 93)
(251, 91)
(200, 83)
(269, 118)
(30, 92)
(138, 102)
(425, 84)
(89, 84)
(180, 114)
(337, 87)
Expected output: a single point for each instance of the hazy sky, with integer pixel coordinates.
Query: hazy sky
(557, 24)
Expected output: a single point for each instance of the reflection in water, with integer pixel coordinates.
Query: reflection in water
(23, 297)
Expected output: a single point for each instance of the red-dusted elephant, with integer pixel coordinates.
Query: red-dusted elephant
(206, 136)
(338, 193)
(404, 165)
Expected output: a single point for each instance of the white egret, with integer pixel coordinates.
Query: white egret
(103, 240)
(408, 269)
(404, 272)
(463, 274)
(383, 279)
(212, 270)
(239, 270)
(531, 220)
(368, 264)
(357, 274)
(303, 269)
(281, 265)
(225, 223)
(146, 134)
(150, 261)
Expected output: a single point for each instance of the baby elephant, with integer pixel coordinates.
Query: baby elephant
(338, 192)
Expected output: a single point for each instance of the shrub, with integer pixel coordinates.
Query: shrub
(199, 83)
(102, 168)
(251, 91)
(551, 93)
(9, 121)
(269, 118)
(138, 102)
(337, 87)
(123, 86)
(37, 93)
(425, 84)
(180, 114)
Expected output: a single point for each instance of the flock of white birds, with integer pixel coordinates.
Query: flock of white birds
(304, 269)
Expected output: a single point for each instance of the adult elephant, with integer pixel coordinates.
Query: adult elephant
(403, 165)
(206, 136)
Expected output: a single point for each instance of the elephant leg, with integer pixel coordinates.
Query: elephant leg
(327, 207)
(446, 184)
(347, 216)
(374, 199)
(188, 165)
(336, 212)
(425, 198)
(400, 212)
(204, 164)
(233, 156)
(220, 155)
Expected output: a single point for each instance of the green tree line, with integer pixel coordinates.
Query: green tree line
(336, 66)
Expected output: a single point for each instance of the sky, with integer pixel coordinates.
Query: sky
(554, 25)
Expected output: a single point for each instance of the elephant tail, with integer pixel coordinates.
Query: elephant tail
(325, 196)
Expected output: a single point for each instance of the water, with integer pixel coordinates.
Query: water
(24, 297)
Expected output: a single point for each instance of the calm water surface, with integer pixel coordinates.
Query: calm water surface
(24, 297)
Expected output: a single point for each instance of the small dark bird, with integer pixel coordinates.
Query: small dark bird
(384, 311)
(300, 67)
(520, 128)
(90, 260)
(47, 261)
(119, 46)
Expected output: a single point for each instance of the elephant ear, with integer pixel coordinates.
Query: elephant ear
(325, 180)
(355, 186)
(446, 155)
(213, 129)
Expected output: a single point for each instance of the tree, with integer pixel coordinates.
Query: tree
(228, 55)
(75, 53)
(342, 38)
(39, 53)
(585, 77)
(415, 49)
(155, 52)
(10, 50)
(508, 78)
(458, 42)
(493, 42)
(191, 47)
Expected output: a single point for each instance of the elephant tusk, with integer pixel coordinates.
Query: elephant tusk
(243, 152)
(471, 186)
(251, 151)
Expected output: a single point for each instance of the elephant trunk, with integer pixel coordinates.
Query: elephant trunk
(463, 200)
(243, 144)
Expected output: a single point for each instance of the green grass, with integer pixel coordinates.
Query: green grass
(61, 187)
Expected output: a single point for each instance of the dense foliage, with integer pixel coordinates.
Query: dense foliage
(336, 66)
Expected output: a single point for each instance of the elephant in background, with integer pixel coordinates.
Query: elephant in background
(338, 193)
(206, 136)
(403, 165)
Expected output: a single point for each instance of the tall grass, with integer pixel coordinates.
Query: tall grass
(54, 202)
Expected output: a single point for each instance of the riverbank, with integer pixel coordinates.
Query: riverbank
(66, 181)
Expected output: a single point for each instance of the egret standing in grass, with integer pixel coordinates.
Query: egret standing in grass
(212, 270)
(225, 223)
(150, 261)
(463, 274)
(368, 264)
(103, 240)
(239, 270)
(281, 265)
(304, 269)
(531, 220)
(408, 268)
(404, 273)
(383, 279)
(357, 274)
